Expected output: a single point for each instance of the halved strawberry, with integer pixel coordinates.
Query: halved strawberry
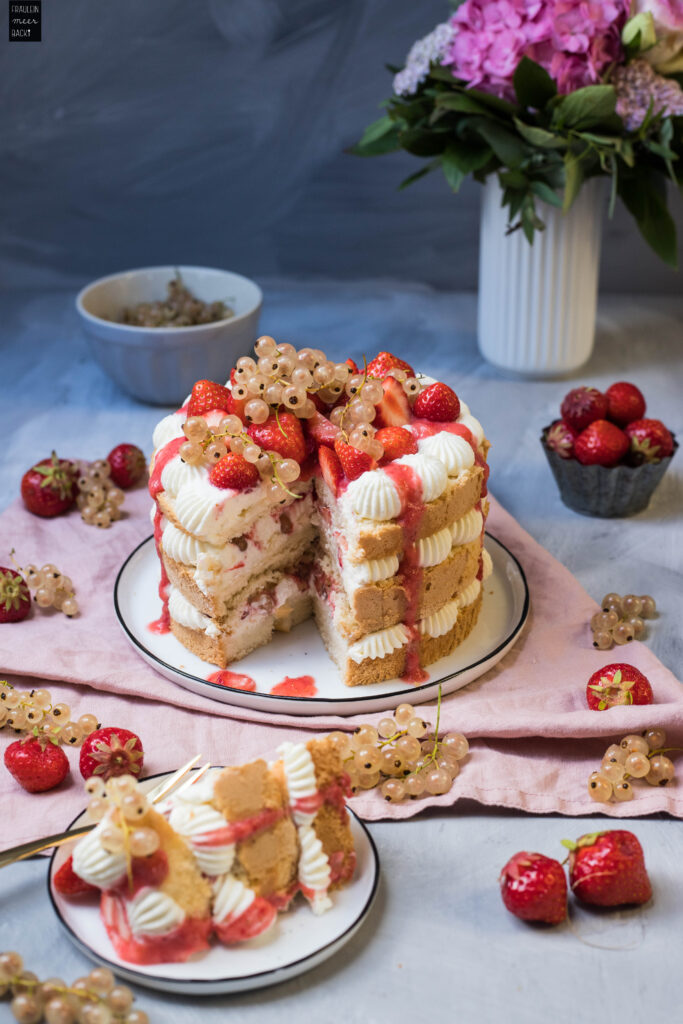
(281, 434)
(396, 441)
(321, 430)
(386, 361)
(330, 467)
(233, 472)
(67, 882)
(394, 408)
(353, 461)
(207, 395)
(353, 364)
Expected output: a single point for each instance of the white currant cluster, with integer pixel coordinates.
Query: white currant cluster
(32, 712)
(52, 588)
(634, 757)
(98, 498)
(621, 619)
(128, 805)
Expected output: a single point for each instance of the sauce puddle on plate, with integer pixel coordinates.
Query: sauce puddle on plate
(296, 686)
(233, 680)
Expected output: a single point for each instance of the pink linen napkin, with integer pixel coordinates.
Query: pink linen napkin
(525, 717)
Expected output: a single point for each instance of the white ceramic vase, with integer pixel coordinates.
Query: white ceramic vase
(537, 303)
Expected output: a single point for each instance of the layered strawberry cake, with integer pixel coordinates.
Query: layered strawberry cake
(226, 854)
(308, 487)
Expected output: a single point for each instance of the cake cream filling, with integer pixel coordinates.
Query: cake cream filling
(300, 777)
(314, 869)
(469, 594)
(441, 621)
(185, 614)
(231, 899)
(94, 864)
(487, 564)
(452, 451)
(192, 816)
(153, 912)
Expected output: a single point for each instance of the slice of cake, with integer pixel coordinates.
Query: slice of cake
(155, 903)
(307, 487)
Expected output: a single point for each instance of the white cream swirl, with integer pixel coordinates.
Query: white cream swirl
(379, 644)
(167, 429)
(374, 496)
(451, 449)
(153, 912)
(467, 528)
(431, 471)
(441, 621)
(300, 777)
(180, 545)
(314, 869)
(434, 549)
(177, 474)
(194, 819)
(373, 570)
(195, 505)
(94, 864)
(487, 564)
(474, 426)
(187, 615)
(231, 898)
(469, 594)
(464, 409)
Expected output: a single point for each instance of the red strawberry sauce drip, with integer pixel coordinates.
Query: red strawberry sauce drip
(233, 680)
(409, 487)
(192, 936)
(238, 831)
(163, 623)
(334, 794)
(161, 460)
(342, 866)
(255, 920)
(296, 686)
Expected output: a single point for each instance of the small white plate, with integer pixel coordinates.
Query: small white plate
(298, 941)
(302, 652)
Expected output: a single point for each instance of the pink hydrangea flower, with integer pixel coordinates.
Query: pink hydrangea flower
(574, 40)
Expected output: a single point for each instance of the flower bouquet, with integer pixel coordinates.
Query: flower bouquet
(546, 94)
(539, 100)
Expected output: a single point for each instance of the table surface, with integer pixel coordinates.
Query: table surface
(438, 937)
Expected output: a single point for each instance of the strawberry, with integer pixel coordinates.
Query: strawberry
(560, 438)
(396, 442)
(67, 882)
(601, 444)
(438, 403)
(49, 487)
(384, 362)
(330, 467)
(650, 440)
(147, 872)
(353, 365)
(233, 472)
(625, 403)
(207, 395)
(321, 430)
(393, 409)
(15, 597)
(281, 434)
(534, 888)
(581, 406)
(615, 685)
(353, 461)
(36, 764)
(127, 464)
(607, 869)
(111, 751)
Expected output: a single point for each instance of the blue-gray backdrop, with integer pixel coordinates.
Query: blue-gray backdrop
(214, 132)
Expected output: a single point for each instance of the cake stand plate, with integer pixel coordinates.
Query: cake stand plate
(298, 941)
(301, 654)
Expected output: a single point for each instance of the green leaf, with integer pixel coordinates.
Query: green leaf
(513, 179)
(646, 201)
(493, 102)
(539, 136)
(573, 179)
(387, 143)
(452, 170)
(468, 154)
(546, 193)
(441, 74)
(423, 142)
(586, 107)
(507, 146)
(416, 176)
(569, 844)
(376, 130)
(533, 85)
(462, 103)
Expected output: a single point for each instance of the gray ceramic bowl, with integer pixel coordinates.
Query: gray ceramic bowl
(160, 364)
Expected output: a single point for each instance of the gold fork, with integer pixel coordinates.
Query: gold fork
(156, 794)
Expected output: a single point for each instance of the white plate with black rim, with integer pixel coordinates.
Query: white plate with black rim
(301, 654)
(298, 941)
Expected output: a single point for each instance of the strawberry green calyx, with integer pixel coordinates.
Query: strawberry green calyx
(13, 592)
(116, 752)
(576, 844)
(616, 683)
(56, 476)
